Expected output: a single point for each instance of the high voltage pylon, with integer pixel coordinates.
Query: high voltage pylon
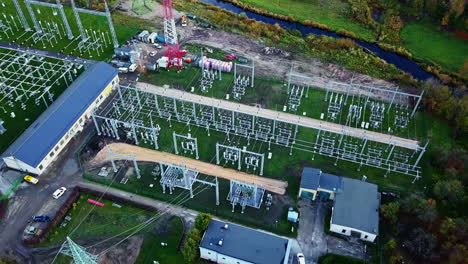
(78, 253)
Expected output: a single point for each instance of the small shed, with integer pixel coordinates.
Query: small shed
(2, 128)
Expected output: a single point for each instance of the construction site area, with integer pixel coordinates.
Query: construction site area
(183, 119)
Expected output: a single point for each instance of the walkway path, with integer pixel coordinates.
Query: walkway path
(144, 154)
(281, 116)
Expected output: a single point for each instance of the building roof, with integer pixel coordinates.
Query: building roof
(245, 243)
(34, 144)
(357, 206)
(315, 178)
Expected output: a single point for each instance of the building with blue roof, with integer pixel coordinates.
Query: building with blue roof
(41, 143)
(227, 243)
(356, 203)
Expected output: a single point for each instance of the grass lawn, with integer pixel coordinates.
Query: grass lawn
(125, 27)
(100, 223)
(23, 118)
(169, 232)
(427, 43)
(333, 13)
(335, 259)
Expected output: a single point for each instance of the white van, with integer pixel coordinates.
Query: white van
(300, 258)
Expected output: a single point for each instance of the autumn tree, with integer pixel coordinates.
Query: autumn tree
(420, 243)
(423, 209)
(450, 192)
(390, 212)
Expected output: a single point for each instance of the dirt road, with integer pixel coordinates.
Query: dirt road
(28, 200)
(144, 154)
(271, 66)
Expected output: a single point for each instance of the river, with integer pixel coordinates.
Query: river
(400, 62)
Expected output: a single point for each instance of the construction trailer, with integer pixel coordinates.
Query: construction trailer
(152, 37)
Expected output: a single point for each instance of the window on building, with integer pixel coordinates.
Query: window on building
(41, 167)
(52, 154)
(100, 97)
(224, 258)
(66, 136)
(366, 236)
(56, 148)
(343, 231)
(61, 142)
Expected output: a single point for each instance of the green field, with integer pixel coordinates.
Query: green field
(334, 13)
(335, 259)
(428, 43)
(99, 223)
(125, 27)
(23, 118)
(169, 232)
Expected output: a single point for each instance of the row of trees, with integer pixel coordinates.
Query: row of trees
(432, 227)
(445, 12)
(190, 249)
(440, 101)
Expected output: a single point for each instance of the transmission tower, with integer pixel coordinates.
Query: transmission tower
(78, 253)
(170, 35)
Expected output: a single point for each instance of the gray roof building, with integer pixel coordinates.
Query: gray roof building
(314, 178)
(357, 206)
(245, 244)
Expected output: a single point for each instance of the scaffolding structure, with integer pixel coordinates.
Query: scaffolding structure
(188, 144)
(8, 25)
(245, 195)
(173, 176)
(21, 17)
(360, 146)
(47, 31)
(112, 155)
(297, 88)
(92, 40)
(244, 76)
(28, 78)
(235, 155)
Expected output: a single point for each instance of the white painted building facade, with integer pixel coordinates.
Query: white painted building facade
(15, 161)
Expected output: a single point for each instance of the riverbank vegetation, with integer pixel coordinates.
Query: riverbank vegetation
(423, 27)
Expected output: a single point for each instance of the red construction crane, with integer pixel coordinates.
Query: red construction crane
(170, 35)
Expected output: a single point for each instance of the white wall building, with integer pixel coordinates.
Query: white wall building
(227, 243)
(42, 142)
(356, 210)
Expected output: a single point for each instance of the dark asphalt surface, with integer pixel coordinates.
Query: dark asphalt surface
(27, 201)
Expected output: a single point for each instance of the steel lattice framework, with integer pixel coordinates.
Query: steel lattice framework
(78, 253)
(27, 77)
(170, 35)
(366, 148)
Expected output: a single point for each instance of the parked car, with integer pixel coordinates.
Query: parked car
(300, 258)
(41, 218)
(243, 60)
(152, 54)
(158, 46)
(191, 16)
(59, 192)
(31, 179)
